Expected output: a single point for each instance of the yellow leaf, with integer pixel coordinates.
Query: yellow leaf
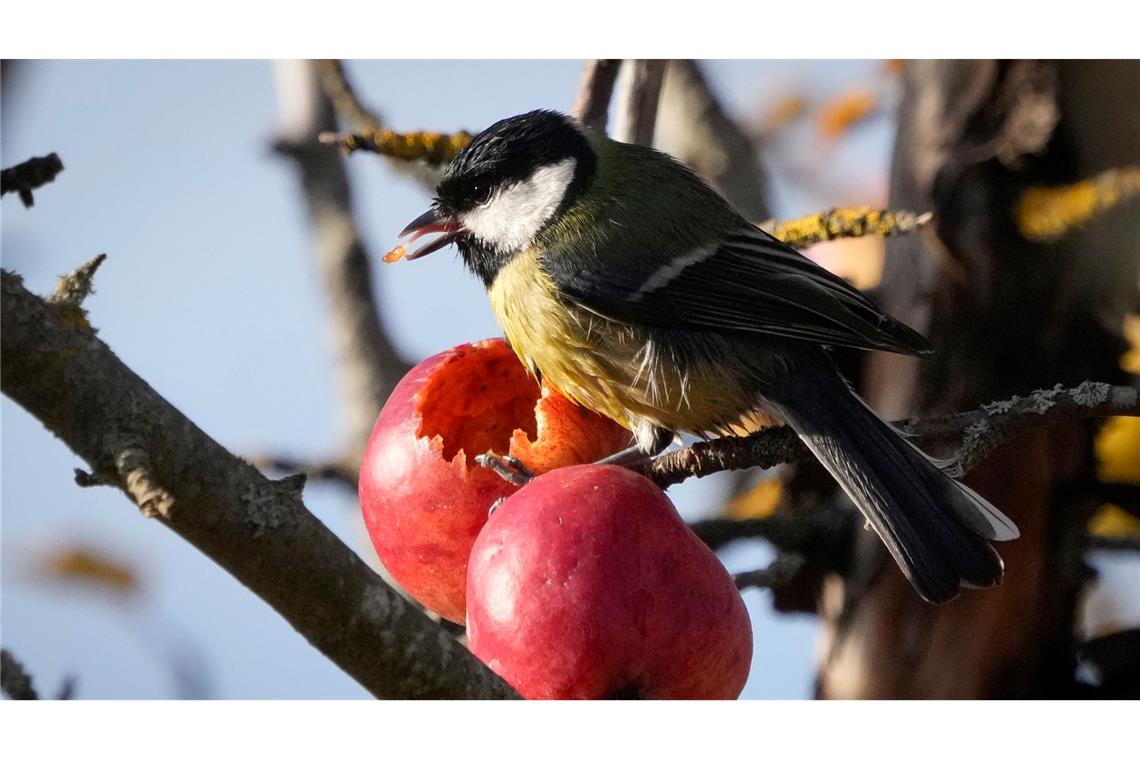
(838, 116)
(759, 501)
(786, 109)
(1130, 362)
(1118, 450)
(1111, 521)
(77, 564)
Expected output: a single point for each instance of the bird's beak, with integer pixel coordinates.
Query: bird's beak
(427, 223)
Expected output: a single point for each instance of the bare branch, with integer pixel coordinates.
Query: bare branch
(693, 126)
(331, 470)
(637, 100)
(595, 88)
(334, 82)
(782, 570)
(368, 363)
(418, 155)
(30, 175)
(257, 529)
(14, 680)
(1114, 543)
(976, 433)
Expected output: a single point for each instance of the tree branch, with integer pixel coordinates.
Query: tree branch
(14, 680)
(257, 529)
(368, 363)
(976, 433)
(839, 223)
(30, 175)
(693, 126)
(781, 571)
(595, 88)
(1047, 213)
(637, 101)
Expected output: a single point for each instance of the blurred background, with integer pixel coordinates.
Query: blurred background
(211, 293)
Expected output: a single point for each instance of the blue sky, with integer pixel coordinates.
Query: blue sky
(209, 294)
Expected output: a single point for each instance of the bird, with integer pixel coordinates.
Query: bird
(637, 291)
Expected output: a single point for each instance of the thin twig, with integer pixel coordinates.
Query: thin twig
(637, 101)
(976, 433)
(782, 570)
(432, 148)
(335, 471)
(335, 83)
(595, 88)
(1114, 543)
(30, 175)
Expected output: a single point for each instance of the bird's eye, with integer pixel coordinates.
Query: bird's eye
(481, 194)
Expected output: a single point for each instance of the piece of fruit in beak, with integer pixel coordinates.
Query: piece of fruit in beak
(432, 221)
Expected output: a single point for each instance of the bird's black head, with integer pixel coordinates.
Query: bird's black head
(506, 186)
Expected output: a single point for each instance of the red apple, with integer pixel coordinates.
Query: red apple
(586, 584)
(424, 499)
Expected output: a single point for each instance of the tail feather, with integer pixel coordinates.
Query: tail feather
(937, 529)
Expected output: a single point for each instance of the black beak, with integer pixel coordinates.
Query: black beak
(427, 223)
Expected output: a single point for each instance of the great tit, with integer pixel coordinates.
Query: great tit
(637, 291)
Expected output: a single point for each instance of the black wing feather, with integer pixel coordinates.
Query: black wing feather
(749, 282)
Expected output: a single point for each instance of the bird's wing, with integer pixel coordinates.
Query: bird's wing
(745, 282)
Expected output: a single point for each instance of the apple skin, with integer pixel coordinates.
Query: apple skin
(423, 499)
(586, 584)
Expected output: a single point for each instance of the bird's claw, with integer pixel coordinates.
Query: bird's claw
(507, 467)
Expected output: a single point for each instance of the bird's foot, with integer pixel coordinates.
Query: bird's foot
(507, 467)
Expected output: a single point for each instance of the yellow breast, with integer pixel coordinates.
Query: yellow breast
(613, 368)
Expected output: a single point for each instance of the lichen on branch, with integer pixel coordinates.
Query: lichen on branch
(434, 148)
(845, 223)
(1047, 213)
(974, 434)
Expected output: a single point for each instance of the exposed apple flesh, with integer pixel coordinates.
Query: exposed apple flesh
(422, 496)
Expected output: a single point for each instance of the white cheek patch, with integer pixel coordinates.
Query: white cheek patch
(516, 213)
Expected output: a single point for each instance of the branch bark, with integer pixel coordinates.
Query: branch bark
(1005, 314)
(637, 101)
(592, 103)
(259, 530)
(368, 363)
(693, 126)
(30, 175)
(976, 433)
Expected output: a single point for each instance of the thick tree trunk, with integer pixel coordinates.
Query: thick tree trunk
(1006, 316)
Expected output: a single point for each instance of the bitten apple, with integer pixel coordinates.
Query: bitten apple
(586, 584)
(424, 499)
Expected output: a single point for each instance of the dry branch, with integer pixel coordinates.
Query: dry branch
(976, 433)
(693, 126)
(637, 100)
(30, 175)
(596, 87)
(368, 363)
(257, 529)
